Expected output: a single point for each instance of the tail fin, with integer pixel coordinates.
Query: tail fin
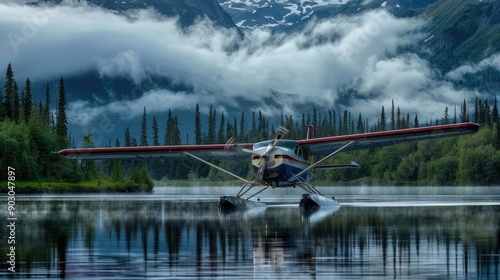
(310, 131)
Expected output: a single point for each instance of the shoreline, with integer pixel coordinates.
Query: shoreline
(105, 186)
(102, 186)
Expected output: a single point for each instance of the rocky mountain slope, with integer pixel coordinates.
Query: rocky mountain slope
(188, 11)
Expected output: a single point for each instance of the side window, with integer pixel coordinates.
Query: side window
(305, 154)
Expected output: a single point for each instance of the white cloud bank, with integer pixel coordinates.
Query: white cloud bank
(48, 42)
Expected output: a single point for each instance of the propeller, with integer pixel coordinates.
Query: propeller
(266, 155)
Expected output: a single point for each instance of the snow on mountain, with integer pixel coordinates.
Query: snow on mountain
(273, 13)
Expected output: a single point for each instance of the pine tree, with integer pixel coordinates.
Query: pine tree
(62, 121)
(169, 129)
(398, 119)
(198, 138)
(393, 121)
(27, 101)
(360, 127)
(476, 111)
(235, 128)
(176, 132)
(89, 167)
(17, 110)
(243, 129)
(156, 141)
(9, 93)
(345, 123)
(127, 138)
(211, 126)
(383, 120)
(446, 119)
(46, 108)
(415, 121)
(464, 116)
(144, 129)
(220, 135)
(117, 174)
(495, 117)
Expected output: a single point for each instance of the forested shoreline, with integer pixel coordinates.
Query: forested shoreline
(30, 134)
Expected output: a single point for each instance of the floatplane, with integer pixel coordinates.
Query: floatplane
(279, 162)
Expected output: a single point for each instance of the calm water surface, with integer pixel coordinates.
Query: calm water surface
(177, 233)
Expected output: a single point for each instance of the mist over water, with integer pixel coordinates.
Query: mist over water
(177, 233)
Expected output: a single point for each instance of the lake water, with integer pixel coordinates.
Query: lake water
(177, 233)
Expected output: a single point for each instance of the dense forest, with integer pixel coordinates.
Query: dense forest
(31, 133)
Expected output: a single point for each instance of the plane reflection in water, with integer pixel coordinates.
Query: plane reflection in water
(129, 239)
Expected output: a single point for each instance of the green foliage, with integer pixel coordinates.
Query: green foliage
(30, 146)
(140, 178)
(89, 167)
(62, 120)
(464, 160)
(117, 174)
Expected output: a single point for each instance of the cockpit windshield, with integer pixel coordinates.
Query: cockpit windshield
(287, 144)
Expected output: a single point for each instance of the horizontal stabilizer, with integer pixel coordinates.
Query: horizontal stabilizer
(338, 166)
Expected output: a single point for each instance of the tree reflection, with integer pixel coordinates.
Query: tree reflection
(134, 238)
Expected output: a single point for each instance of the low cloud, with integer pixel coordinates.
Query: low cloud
(358, 52)
(473, 68)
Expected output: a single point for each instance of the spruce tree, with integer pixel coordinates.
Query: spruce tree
(117, 174)
(27, 102)
(393, 121)
(360, 127)
(46, 108)
(89, 167)
(156, 139)
(62, 120)
(8, 104)
(243, 129)
(464, 116)
(495, 117)
(167, 140)
(221, 138)
(446, 119)
(144, 129)
(398, 119)
(211, 126)
(198, 138)
(383, 120)
(17, 110)
(176, 132)
(345, 123)
(127, 138)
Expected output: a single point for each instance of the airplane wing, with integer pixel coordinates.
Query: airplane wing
(215, 151)
(384, 138)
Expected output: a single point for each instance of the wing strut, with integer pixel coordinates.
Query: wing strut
(294, 178)
(217, 167)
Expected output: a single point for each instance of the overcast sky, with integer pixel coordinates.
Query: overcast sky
(45, 43)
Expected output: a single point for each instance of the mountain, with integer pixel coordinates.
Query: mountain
(265, 74)
(274, 13)
(292, 15)
(188, 11)
(462, 32)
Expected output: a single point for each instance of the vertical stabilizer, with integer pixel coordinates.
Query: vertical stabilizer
(310, 131)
